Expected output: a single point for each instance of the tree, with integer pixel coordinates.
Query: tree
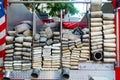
(54, 9)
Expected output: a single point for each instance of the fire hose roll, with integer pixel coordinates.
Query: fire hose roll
(97, 56)
(109, 60)
(105, 22)
(108, 16)
(96, 24)
(96, 14)
(96, 5)
(94, 29)
(109, 26)
(109, 54)
(96, 19)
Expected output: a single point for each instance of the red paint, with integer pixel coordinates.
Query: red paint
(117, 70)
(119, 33)
(72, 25)
(114, 4)
(117, 73)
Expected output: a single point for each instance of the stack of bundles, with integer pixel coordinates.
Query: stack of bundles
(18, 53)
(18, 47)
(65, 53)
(109, 37)
(56, 51)
(75, 54)
(85, 51)
(37, 52)
(37, 58)
(47, 57)
(26, 54)
(96, 28)
(56, 37)
(43, 38)
(9, 50)
(71, 46)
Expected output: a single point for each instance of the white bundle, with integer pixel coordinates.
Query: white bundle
(108, 31)
(112, 45)
(86, 36)
(109, 54)
(11, 33)
(28, 39)
(19, 39)
(9, 51)
(109, 49)
(108, 16)
(96, 37)
(82, 59)
(27, 33)
(105, 22)
(96, 5)
(96, 19)
(94, 29)
(9, 46)
(96, 43)
(109, 36)
(109, 40)
(17, 53)
(96, 33)
(85, 51)
(96, 24)
(49, 32)
(96, 47)
(27, 44)
(109, 26)
(21, 28)
(96, 40)
(18, 49)
(96, 50)
(9, 38)
(109, 60)
(96, 14)
(36, 37)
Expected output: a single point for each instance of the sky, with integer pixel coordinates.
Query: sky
(82, 8)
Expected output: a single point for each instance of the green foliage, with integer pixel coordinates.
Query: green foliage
(55, 8)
